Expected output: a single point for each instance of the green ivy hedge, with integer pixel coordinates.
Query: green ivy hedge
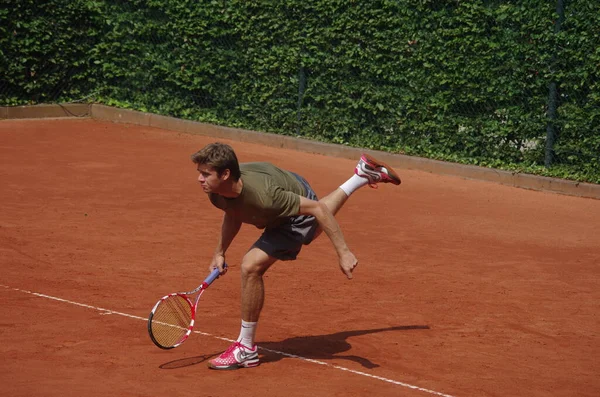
(463, 81)
(45, 49)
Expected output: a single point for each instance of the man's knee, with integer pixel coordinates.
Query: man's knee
(252, 268)
(256, 263)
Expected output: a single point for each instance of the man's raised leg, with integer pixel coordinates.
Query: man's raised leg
(368, 171)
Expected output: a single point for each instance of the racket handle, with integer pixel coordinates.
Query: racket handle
(213, 275)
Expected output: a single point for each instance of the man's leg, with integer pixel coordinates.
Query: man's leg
(254, 265)
(368, 171)
(336, 200)
(243, 353)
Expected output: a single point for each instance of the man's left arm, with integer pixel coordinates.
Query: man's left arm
(332, 229)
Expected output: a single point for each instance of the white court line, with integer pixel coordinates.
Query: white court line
(108, 311)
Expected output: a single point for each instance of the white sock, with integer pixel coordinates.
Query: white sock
(355, 182)
(247, 333)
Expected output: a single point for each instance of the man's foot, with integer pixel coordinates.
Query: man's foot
(375, 171)
(236, 356)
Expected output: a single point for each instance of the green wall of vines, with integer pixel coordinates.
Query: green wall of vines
(464, 81)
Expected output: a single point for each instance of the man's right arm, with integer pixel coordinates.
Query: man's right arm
(229, 229)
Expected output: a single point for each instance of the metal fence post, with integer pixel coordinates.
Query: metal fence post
(301, 89)
(553, 94)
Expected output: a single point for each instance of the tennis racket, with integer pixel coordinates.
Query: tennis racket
(172, 318)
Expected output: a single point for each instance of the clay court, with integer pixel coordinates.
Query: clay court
(465, 288)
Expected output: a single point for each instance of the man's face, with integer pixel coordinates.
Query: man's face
(209, 178)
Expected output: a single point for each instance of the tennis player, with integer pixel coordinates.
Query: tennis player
(284, 205)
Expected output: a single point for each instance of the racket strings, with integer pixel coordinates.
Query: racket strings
(171, 321)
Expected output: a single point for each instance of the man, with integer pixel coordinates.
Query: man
(285, 206)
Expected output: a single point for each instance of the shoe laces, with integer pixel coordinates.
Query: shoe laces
(368, 168)
(231, 348)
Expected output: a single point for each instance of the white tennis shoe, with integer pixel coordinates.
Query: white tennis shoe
(376, 171)
(236, 356)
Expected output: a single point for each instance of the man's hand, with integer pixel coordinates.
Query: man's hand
(348, 263)
(218, 262)
(330, 226)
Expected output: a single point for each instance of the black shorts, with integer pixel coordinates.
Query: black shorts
(285, 241)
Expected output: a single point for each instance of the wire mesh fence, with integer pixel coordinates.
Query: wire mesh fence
(494, 83)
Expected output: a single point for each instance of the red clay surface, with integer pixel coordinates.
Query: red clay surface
(464, 288)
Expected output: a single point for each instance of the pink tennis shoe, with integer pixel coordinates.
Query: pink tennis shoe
(236, 356)
(375, 171)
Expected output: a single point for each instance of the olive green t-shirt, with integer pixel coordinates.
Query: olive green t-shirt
(269, 195)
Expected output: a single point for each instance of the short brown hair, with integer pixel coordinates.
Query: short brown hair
(220, 157)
